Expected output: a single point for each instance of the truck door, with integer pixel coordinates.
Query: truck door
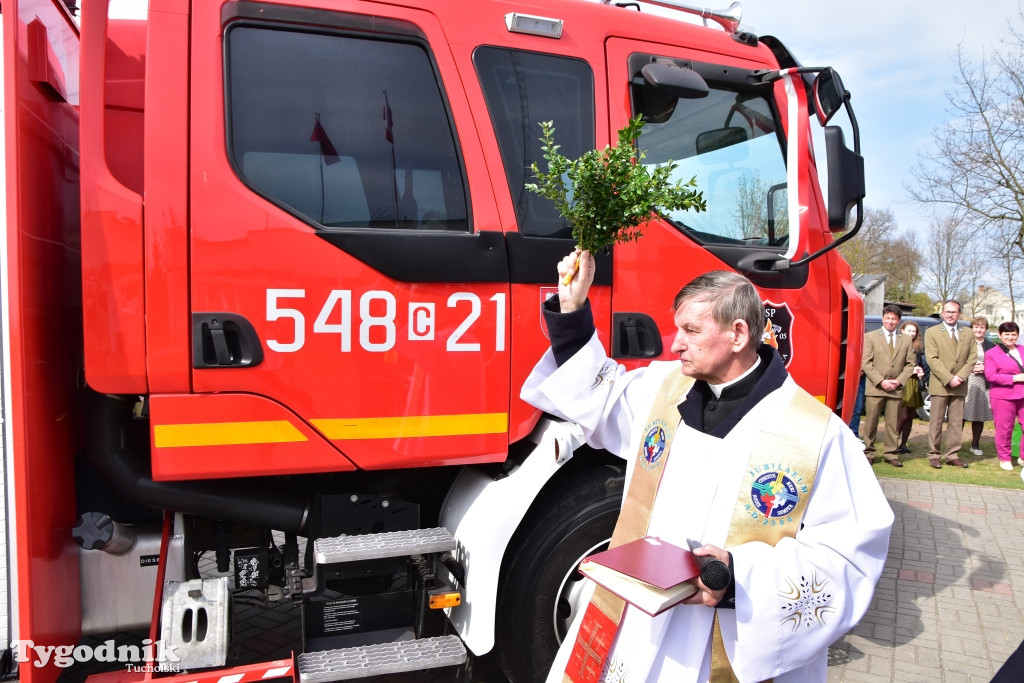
(733, 141)
(520, 88)
(341, 229)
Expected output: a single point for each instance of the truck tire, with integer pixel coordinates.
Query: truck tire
(573, 517)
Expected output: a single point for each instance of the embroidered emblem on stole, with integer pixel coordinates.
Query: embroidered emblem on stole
(773, 494)
(654, 444)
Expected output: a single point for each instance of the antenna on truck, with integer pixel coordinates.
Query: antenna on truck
(728, 18)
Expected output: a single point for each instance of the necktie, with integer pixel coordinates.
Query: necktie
(892, 344)
(952, 333)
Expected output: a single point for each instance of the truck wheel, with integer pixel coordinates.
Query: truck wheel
(539, 589)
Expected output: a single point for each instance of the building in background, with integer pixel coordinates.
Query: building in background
(994, 305)
(872, 288)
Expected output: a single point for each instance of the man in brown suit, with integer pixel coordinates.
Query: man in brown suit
(888, 362)
(949, 353)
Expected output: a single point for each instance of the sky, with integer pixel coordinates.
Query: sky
(897, 59)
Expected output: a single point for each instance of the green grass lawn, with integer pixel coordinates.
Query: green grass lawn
(984, 469)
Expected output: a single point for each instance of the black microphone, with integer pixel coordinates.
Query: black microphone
(715, 574)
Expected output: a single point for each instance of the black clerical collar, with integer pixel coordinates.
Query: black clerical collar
(744, 384)
(737, 399)
(718, 389)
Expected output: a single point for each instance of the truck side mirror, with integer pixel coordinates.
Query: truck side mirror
(845, 178)
(675, 80)
(660, 85)
(829, 94)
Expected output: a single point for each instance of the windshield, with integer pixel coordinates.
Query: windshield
(728, 140)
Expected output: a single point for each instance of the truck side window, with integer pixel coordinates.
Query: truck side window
(343, 131)
(729, 141)
(522, 89)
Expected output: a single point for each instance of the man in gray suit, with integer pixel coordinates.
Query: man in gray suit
(949, 354)
(888, 362)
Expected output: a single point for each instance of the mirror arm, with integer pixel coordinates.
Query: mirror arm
(854, 128)
(772, 75)
(786, 264)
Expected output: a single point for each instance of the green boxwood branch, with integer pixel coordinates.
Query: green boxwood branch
(608, 194)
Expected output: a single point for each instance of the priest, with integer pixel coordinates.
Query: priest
(722, 446)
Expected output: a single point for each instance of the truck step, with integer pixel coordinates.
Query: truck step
(376, 546)
(384, 658)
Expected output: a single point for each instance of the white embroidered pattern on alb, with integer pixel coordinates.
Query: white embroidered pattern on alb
(806, 602)
(606, 374)
(613, 672)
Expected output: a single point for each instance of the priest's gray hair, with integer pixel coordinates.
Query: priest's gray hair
(732, 297)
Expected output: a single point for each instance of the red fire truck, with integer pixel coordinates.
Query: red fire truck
(272, 282)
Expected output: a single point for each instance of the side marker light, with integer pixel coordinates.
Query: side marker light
(446, 599)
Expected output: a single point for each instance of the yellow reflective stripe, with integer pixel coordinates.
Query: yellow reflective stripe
(225, 433)
(412, 425)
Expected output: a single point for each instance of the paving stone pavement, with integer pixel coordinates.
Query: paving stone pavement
(949, 604)
(949, 607)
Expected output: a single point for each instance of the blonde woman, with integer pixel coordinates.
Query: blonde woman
(906, 422)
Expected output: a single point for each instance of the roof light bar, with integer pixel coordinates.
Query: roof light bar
(533, 25)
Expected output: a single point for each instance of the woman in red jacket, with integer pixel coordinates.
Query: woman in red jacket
(1004, 370)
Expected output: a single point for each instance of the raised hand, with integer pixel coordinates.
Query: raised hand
(572, 293)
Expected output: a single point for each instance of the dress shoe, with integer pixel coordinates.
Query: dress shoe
(1006, 465)
(976, 451)
(896, 463)
(935, 462)
(902, 450)
(956, 462)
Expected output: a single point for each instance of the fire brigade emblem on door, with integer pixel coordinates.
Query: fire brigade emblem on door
(778, 327)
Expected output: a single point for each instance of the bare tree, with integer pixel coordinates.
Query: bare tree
(1006, 253)
(951, 260)
(880, 248)
(902, 260)
(865, 252)
(977, 167)
(751, 210)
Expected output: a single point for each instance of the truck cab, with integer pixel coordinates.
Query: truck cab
(303, 288)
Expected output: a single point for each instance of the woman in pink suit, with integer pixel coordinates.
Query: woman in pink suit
(1004, 370)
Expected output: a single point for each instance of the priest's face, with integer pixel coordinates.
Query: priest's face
(707, 351)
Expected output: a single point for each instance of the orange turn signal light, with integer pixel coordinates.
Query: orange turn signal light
(446, 599)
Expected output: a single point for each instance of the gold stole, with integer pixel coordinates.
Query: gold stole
(601, 620)
(769, 507)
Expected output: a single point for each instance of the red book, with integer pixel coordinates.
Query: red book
(648, 573)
